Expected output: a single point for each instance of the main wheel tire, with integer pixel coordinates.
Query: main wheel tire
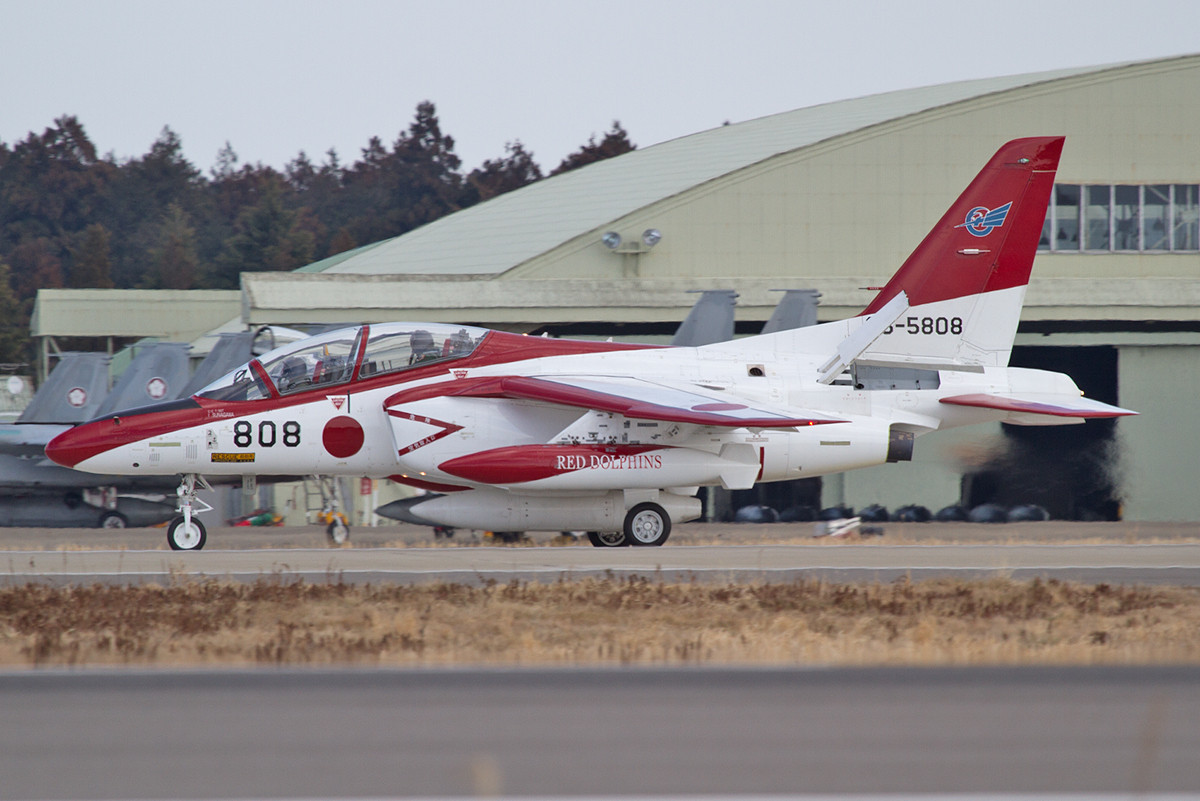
(113, 520)
(607, 539)
(183, 538)
(338, 532)
(647, 524)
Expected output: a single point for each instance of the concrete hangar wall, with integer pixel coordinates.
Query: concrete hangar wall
(834, 198)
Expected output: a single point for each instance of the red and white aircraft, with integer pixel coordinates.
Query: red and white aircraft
(516, 433)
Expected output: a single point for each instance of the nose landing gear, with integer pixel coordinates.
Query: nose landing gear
(186, 532)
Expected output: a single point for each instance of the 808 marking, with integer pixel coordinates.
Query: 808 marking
(243, 434)
(927, 326)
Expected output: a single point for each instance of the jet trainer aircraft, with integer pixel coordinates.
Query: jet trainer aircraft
(524, 433)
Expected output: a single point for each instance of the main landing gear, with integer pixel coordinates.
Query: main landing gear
(186, 532)
(645, 524)
(337, 528)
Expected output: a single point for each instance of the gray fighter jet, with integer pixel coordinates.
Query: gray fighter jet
(36, 492)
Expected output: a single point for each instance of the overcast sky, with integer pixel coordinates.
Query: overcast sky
(275, 77)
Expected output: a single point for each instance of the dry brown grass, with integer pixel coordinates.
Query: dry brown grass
(599, 621)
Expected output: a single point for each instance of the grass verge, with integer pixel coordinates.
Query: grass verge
(599, 622)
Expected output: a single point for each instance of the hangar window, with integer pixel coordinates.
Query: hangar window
(1185, 233)
(1096, 222)
(1126, 218)
(1156, 207)
(1122, 218)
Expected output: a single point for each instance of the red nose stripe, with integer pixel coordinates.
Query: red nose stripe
(84, 441)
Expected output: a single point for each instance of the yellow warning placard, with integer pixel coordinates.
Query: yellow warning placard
(227, 458)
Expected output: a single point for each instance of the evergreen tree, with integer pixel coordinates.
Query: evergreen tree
(389, 193)
(155, 220)
(614, 143)
(138, 198)
(226, 163)
(35, 266)
(90, 266)
(497, 176)
(427, 168)
(341, 242)
(174, 260)
(51, 186)
(300, 173)
(15, 344)
(268, 237)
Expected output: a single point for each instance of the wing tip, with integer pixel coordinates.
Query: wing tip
(1092, 410)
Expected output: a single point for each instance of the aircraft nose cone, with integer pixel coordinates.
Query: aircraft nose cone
(71, 447)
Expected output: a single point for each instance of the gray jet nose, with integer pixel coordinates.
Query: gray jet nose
(402, 510)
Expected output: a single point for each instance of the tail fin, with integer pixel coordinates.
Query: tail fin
(965, 283)
(710, 320)
(72, 392)
(156, 374)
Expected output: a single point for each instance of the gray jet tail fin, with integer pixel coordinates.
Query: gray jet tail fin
(230, 353)
(709, 321)
(797, 309)
(73, 391)
(156, 374)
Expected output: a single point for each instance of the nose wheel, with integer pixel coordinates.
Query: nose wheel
(185, 535)
(186, 532)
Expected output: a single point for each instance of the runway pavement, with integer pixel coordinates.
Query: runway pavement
(561, 733)
(1176, 563)
(1086, 552)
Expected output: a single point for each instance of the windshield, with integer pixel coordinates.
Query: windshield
(328, 359)
(320, 361)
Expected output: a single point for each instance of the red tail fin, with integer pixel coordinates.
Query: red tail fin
(988, 238)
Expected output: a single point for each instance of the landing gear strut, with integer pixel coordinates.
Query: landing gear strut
(186, 532)
(337, 528)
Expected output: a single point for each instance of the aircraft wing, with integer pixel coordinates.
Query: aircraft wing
(636, 398)
(28, 439)
(1054, 405)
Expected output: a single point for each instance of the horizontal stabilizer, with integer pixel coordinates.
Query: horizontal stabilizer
(1051, 404)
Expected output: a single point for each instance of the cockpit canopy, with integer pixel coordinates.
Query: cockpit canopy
(347, 354)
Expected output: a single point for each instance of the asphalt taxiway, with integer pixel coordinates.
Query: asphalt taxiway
(1113, 553)
(562, 733)
(1159, 563)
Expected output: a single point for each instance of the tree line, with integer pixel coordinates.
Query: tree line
(70, 217)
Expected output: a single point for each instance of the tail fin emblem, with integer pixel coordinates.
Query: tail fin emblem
(980, 221)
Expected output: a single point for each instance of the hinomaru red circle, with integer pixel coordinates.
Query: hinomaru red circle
(343, 437)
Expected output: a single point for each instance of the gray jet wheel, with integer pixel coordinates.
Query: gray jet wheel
(607, 539)
(113, 520)
(647, 524)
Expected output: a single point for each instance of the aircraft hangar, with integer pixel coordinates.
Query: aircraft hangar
(833, 198)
